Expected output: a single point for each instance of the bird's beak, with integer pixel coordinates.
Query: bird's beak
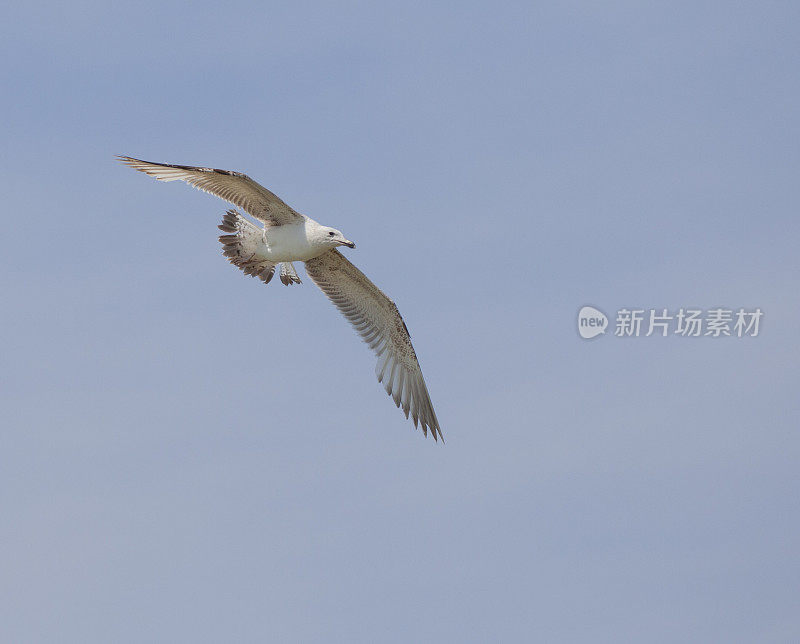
(348, 243)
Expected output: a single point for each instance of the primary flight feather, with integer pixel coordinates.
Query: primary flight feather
(287, 236)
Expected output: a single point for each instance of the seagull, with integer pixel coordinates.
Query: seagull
(286, 236)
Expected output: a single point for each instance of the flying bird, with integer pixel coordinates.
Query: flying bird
(286, 236)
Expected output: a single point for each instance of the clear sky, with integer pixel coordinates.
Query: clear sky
(187, 455)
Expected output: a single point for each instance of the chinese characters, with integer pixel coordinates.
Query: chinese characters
(688, 322)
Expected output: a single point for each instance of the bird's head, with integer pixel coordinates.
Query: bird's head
(333, 237)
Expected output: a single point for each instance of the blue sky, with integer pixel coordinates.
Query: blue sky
(190, 456)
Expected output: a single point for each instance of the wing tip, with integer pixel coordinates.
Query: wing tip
(436, 433)
(136, 164)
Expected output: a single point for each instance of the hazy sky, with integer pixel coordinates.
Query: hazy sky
(189, 456)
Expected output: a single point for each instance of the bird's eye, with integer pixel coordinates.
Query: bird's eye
(331, 234)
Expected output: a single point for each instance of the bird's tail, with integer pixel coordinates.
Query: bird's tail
(243, 246)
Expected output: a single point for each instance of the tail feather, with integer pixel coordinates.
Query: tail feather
(243, 245)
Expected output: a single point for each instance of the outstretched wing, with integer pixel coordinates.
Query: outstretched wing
(235, 187)
(378, 321)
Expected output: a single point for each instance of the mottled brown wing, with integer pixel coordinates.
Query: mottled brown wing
(378, 321)
(235, 187)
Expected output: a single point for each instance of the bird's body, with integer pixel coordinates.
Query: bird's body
(295, 242)
(287, 236)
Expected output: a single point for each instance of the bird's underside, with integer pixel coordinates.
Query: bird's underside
(243, 246)
(374, 316)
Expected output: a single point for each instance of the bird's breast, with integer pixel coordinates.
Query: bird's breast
(289, 243)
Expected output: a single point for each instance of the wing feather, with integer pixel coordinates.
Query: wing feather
(235, 187)
(380, 325)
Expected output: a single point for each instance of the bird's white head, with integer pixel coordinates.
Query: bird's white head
(332, 237)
